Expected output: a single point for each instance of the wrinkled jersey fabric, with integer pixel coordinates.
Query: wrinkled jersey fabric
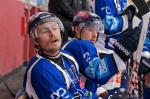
(44, 79)
(90, 65)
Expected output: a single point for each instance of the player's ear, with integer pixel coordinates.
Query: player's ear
(35, 41)
(76, 31)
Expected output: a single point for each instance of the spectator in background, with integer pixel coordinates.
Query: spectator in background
(65, 10)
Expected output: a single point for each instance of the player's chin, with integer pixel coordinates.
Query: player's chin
(94, 41)
(53, 48)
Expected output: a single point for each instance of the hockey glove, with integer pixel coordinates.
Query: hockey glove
(127, 44)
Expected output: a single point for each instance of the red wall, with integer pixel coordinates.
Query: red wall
(14, 41)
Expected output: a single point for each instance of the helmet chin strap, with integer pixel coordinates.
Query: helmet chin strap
(80, 34)
(81, 26)
(97, 37)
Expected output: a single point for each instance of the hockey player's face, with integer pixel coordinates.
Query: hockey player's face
(89, 33)
(49, 38)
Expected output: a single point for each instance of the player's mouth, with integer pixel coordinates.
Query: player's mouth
(54, 41)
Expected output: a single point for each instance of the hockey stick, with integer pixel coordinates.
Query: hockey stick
(144, 13)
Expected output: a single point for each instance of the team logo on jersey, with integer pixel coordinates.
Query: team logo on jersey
(86, 56)
(58, 94)
(92, 68)
(102, 69)
(107, 9)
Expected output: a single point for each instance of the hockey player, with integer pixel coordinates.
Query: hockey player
(87, 26)
(52, 73)
(105, 55)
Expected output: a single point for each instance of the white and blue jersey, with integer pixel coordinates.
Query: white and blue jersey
(110, 13)
(90, 65)
(111, 61)
(44, 79)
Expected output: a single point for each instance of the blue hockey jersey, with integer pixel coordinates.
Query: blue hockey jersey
(111, 60)
(109, 11)
(90, 65)
(44, 79)
(147, 40)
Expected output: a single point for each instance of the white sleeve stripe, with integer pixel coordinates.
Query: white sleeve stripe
(64, 46)
(120, 64)
(29, 89)
(71, 58)
(66, 76)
